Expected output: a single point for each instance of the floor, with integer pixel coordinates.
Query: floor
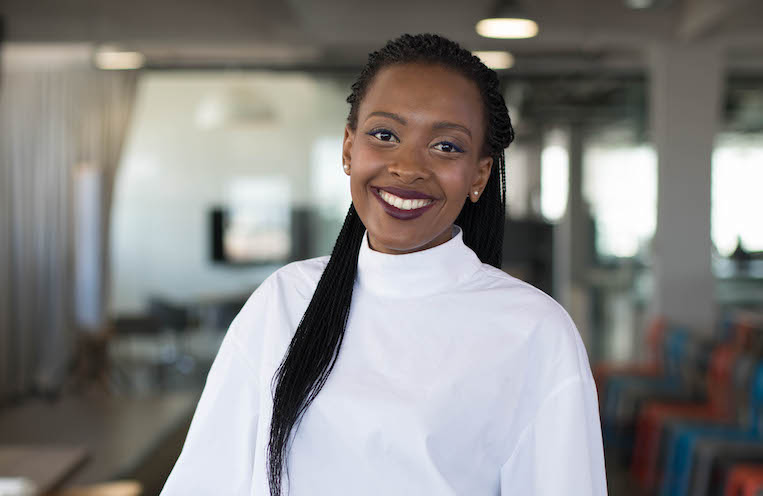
(136, 437)
(618, 479)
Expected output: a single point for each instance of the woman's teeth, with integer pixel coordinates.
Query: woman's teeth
(401, 203)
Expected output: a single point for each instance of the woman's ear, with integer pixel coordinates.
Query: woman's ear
(349, 137)
(484, 166)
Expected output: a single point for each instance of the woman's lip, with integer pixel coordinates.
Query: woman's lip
(399, 213)
(405, 194)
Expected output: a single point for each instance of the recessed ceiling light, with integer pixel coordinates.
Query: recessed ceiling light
(639, 4)
(236, 106)
(507, 19)
(495, 59)
(647, 4)
(118, 60)
(504, 27)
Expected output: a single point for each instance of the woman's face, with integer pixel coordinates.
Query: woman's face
(420, 129)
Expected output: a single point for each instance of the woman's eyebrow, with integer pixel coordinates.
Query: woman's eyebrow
(436, 125)
(452, 125)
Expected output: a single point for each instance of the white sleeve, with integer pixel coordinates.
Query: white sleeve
(561, 451)
(218, 454)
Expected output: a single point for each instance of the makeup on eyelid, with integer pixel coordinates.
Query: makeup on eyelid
(456, 148)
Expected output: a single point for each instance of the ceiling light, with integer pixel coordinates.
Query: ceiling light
(507, 20)
(647, 4)
(496, 59)
(639, 4)
(505, 27)
(235, 107)
(118, 60)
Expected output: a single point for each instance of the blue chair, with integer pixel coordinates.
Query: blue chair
(684, 437)
(624, 393)
(714, 460)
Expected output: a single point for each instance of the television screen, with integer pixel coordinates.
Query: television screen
(255, 227)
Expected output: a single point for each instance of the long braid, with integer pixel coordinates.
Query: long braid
(315, 346)
(319, 336)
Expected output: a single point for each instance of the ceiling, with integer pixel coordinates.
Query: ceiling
(586, 65)
(574, 35)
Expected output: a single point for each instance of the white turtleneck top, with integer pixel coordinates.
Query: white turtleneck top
(453, 378)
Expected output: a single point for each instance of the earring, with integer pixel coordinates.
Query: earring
(346, 167)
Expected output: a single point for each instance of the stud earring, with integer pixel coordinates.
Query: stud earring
(346, 167)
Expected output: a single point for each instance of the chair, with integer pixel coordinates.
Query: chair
(716, 406)
(685, 435)
(626, 393)
(653, 416)
(745, 480)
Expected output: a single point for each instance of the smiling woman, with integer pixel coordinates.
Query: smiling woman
(406, 362)
(418, 134)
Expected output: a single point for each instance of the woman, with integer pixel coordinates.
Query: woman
(406, 362)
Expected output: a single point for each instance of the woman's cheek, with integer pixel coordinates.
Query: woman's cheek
(374, 155)
(453, 175)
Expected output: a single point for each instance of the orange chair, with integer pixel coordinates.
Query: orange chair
(745, 480)
(652, 366)
(654, 414)
(719, 407)
(644, 465)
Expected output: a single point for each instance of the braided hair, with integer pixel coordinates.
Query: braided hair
(313, 350)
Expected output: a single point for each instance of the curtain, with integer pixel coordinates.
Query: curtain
(53, 119)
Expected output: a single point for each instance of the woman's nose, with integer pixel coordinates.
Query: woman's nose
(409, 165)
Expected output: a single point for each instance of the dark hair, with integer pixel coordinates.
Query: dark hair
(313, 350)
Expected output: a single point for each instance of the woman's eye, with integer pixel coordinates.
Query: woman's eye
(448, 147)
(382, 132)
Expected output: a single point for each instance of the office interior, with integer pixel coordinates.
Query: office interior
(159, 160)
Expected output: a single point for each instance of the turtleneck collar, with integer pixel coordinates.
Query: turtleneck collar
(419, 273)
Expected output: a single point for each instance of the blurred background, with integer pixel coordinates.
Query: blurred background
(158, 160)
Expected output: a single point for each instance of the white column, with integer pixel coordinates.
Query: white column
(685, 97)
(523, 179)
(88, 294)
(572, 243)
(534, 150)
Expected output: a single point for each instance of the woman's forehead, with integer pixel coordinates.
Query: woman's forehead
(424, 92)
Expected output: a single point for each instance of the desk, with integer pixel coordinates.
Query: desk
(127, 437)
(45, 465)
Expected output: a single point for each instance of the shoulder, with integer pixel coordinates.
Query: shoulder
(300, 276)
(550, 335)
(514, 298)
(287, 287)
(500, 280)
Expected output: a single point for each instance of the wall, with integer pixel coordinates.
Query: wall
(173, 171)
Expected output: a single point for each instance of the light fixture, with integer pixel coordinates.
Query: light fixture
(507, 20)
(110, 58)
(237, 106)
(647, 4)
(639, 4)
(495, 59)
